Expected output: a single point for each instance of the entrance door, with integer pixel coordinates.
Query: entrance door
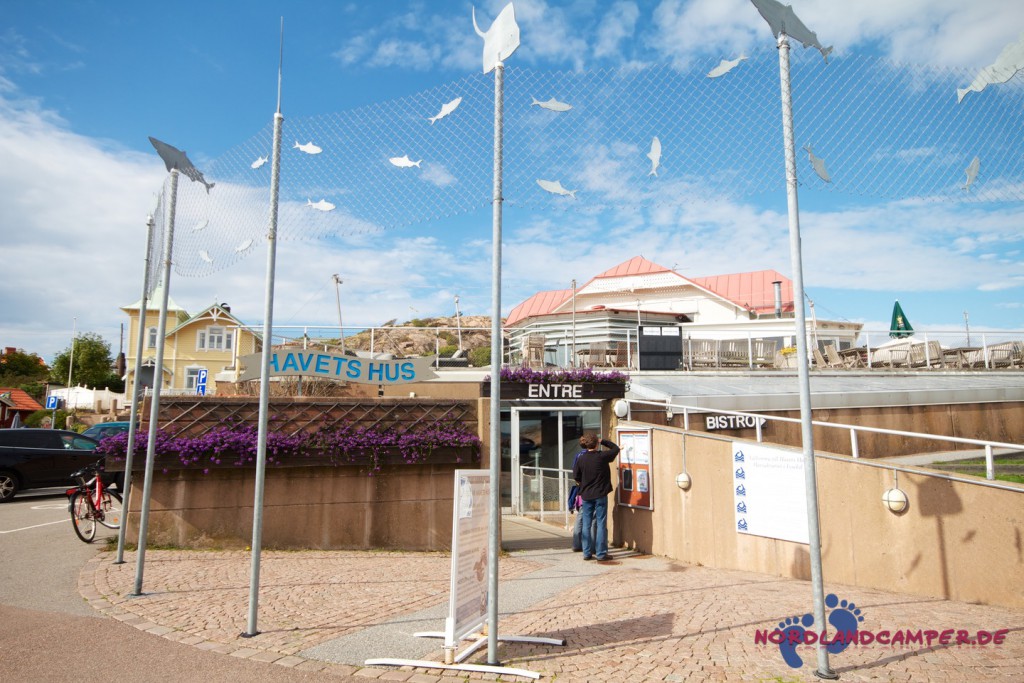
(547, 439)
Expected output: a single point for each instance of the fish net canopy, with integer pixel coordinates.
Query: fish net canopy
(874, 129)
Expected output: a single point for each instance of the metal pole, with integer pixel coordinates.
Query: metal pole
(806, 427)
(341, 326)
(268, 324)
(573, 323)
(458, 320)
(71, 363)
(136, 385)
(494, 540)
(158, 377)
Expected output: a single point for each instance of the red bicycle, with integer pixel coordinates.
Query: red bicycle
(91, 503)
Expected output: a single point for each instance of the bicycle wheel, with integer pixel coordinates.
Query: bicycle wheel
(111, 517)
(82, 518)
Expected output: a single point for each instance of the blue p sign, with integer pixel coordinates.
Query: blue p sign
(52, 402)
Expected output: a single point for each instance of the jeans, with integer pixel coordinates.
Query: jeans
(577, 532)
(595, 511)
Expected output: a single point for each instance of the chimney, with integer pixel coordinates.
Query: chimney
(778, 298)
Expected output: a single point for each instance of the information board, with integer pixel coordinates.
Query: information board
(768, 492)
(634, 468)
(467, 605)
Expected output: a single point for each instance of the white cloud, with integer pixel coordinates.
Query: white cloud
(617, 25)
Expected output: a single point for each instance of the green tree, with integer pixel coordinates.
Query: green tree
(93, 364)
(26, 371)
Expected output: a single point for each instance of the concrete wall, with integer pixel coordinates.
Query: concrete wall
(960, 541)
(405, 507)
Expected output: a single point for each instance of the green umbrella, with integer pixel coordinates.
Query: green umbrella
(900, 326)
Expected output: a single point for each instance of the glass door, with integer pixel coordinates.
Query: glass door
(546, 441)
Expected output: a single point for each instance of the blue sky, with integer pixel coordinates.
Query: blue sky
(83, 84)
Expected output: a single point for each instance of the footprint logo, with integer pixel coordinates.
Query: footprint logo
(793, 630)
(845, 618)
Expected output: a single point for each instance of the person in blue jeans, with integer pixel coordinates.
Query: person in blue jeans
(592, 471)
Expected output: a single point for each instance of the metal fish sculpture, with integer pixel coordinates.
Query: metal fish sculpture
(259, 162)
(203, 254)
(552, 105)
(725, 66)
(818, 164)
(308, 148)
(1006, 66)
(782, 19)
(200, 226)
(446, 108)
(555, 187)
(404, 161)
(243, 246)
(655, 156)
(175, 158)
(501, 39)
(972, 172)
(322, 205)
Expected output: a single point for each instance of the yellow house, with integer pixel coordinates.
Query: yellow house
(208, 343)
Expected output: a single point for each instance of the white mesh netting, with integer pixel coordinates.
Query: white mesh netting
(882, 131)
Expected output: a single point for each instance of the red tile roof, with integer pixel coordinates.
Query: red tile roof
(637, 265)
(20, 399)
(540, 303)
(754, 290)
(750, 290)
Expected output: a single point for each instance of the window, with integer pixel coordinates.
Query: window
(192, 377)
(214, 339)
(152, 338)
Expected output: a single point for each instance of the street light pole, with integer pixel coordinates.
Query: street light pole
(458, 320)
(337, 297)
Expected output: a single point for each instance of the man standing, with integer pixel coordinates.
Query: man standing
(593, 473)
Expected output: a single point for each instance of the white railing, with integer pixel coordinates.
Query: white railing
(989, 446)
(544, 492)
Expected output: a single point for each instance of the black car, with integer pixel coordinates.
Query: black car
(36, 458)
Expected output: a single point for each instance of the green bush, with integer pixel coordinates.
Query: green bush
(447, 350)
(480, 357)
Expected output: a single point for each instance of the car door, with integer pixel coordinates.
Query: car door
(74, 453)
(30, 453)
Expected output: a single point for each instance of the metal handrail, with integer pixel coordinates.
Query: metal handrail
(853, 429)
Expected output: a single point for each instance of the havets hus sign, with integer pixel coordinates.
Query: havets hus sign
(347, 368)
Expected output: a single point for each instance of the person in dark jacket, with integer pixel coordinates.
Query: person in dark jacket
(592, 471)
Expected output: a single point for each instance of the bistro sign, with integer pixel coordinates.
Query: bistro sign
(344, 368)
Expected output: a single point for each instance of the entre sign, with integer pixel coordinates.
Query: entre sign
(295, 363)
(555, 391)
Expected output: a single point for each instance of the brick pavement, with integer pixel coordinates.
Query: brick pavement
(637, 618)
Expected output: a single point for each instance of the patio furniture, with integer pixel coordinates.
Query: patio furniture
(849, 358)
(764, 352)
(928, 355)
(533, 358)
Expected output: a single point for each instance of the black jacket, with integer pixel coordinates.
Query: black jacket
(593, 472)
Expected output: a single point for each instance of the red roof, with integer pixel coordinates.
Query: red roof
(637, 265)
(20, 399)
(750, 290)
(540, 303)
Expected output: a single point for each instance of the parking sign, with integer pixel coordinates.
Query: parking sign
(52, 402)
(201, 382)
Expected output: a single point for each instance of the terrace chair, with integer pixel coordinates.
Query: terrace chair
(620, 355)
(597, 356)
(819, 360)
(837, 361)
(703, 353)
(1001, 355)
(764, 352)
(533, 357)
(733, 353)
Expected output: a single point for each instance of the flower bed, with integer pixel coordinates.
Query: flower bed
(561, 376)
(235, 445)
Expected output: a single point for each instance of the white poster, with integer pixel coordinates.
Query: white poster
(467, 605)
(769, 493)
(635, 448)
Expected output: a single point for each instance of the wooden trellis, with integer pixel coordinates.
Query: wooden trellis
(197, 415)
